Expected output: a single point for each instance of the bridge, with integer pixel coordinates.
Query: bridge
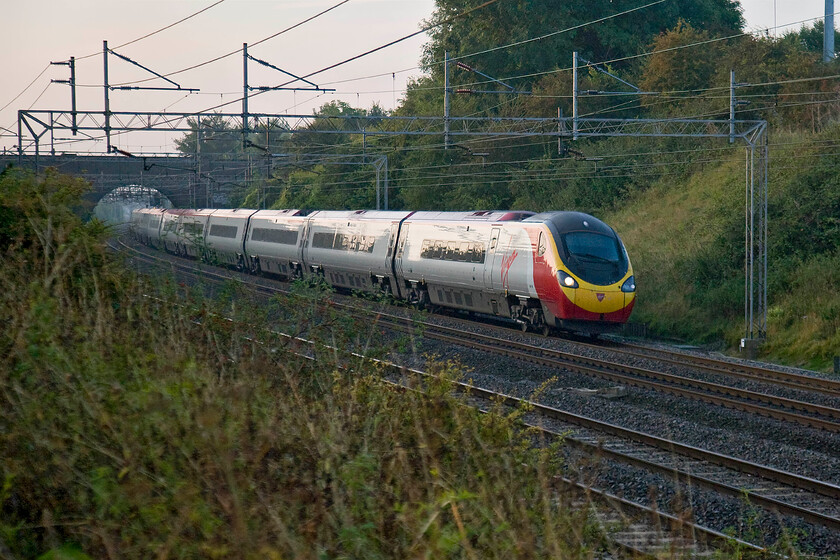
(188, 181)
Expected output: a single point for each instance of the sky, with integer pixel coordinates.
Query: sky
(40, 31)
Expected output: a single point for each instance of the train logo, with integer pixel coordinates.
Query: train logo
(507, 262)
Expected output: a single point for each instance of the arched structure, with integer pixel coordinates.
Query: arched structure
(179, 178)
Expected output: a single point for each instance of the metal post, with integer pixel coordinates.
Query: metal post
(574, 95)
(828, 35)
(377, 185)
(446, 93)
(198, 161)
(386, 182)
(561, 132)
(732, 106)
(763, 194)
(244, 96)
(747, 324)
(20, 137)
(107, 98)
(75, 127)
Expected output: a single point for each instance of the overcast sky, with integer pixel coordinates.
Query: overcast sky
(40, 31)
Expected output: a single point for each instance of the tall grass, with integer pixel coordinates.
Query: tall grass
(685, 236)
(135, 422)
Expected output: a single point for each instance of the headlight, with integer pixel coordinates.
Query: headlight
(629, 285)
(566, 280)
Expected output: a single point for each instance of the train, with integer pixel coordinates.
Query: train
(547, 271)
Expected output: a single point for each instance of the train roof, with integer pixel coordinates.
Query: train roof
(287, 213)
(232, 212)
(565, 222)
(389, 215)
(476, 216)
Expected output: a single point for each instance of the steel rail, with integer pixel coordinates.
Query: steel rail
(825, 386)
(796, 481)
(622, 373)
(664, 382)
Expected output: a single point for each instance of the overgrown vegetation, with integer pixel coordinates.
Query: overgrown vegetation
(687, 244)
(136, 422)
(675, 201)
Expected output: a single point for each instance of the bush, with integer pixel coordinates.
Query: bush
(135, 422)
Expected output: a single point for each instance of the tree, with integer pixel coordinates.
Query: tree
(566, 27)
(672, 68)
(218, 137)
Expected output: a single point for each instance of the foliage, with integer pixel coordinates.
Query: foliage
(562, 24)
(136, 421)
(673, 68)
(686, 241)
(217, 136)
(694, 268)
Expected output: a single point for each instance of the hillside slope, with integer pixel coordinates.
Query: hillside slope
(686, 240)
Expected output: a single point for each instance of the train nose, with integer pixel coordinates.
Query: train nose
(599, 302)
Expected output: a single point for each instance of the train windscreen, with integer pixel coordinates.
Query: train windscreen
(595, 258)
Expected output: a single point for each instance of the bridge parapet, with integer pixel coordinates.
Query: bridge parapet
(177, 177)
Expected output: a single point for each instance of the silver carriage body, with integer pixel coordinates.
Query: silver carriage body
(275, 242)
(353, 249)
(224, 236)
(477, 261)
(145, 225)
(191, 226)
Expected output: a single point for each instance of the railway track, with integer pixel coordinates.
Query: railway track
(771, 406)
(828, 387)
(778, 491)
(780, 408)
(635, 529)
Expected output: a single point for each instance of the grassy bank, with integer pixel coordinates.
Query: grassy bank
(686, 240)
(134, 424)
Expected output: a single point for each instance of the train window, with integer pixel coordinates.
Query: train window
(218, 230)
(451, 251)
(192, 228)
(425, 252)
(542, 245)
(323, 240)
(479, 253)
(270, 235)
(592, 246)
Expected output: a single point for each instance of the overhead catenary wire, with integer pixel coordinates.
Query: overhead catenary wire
(147, 35)
(600, 111)
(239, 50)
(348, 60)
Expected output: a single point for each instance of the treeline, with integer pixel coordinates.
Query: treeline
(681, 51)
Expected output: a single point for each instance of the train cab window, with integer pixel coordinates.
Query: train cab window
(542, 245)
(593, 246)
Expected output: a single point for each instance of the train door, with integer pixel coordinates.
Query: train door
(392, 245)
(490, 261)
(400, 248)
(390, 258)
